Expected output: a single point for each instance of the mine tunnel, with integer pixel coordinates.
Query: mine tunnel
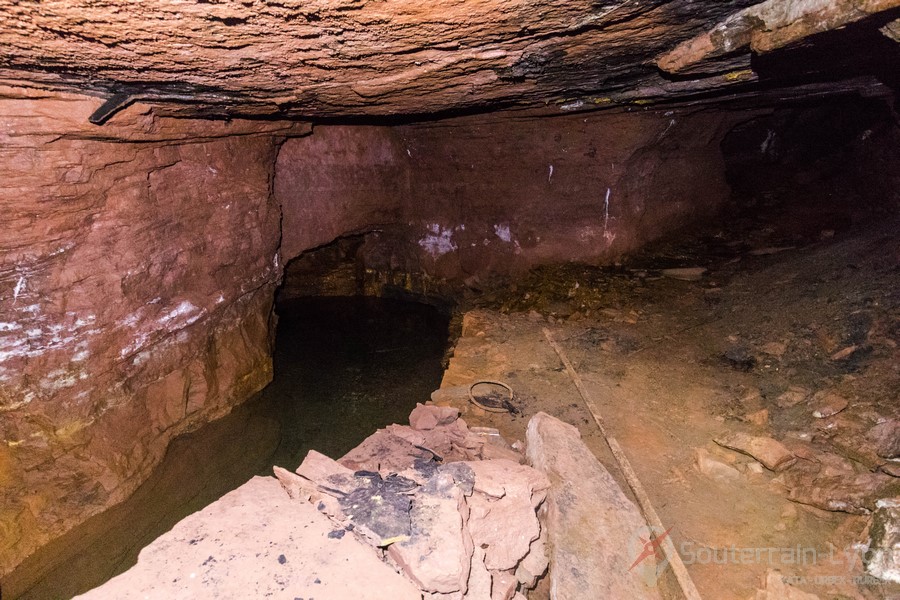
(476, 300)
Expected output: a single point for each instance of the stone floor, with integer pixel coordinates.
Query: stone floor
(755, 396)
(791, 346)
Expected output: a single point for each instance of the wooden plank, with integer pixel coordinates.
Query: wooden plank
(681, 573)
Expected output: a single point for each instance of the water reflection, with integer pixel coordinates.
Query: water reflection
(343, 367)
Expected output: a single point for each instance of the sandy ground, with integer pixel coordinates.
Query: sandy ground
(673, 364)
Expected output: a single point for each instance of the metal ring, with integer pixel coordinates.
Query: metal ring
(493, 409)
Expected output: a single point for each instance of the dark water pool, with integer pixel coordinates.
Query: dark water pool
(343, 368)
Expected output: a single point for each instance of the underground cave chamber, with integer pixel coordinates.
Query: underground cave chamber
(677, 221)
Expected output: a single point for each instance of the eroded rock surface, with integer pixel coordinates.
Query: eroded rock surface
(523, 193)
(339, 58)
(137, 270)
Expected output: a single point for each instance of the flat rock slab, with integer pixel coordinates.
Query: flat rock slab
(325, 472)
(777, 589)
(886, 437)
(397, 447)
(428, 417)
(771, 453)
(854, 494)
(714, 468)
(502, 515)
(828, 404)
(379, 506)
(591, 524)
(256, 542)
(438, 553)
(684, 273)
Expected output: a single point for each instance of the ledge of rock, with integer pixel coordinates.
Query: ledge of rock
(768, 26)
(341, 58)
(245, 545)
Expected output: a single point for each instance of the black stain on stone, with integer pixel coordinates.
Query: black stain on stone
(531, 66)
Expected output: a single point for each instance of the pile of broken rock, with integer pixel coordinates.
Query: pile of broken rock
(435, 510)
(452, 508)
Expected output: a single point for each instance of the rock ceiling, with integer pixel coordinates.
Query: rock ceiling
(346, 58)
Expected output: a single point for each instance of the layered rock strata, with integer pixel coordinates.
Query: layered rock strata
(331, 58)
(137, 271)
(489, 195)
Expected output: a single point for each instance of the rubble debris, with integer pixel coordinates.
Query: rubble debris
(535, 563)
(771, 453)
(844, 352)
(385, 451)
(454, 520)
(886, 438)
(759, 417)
(438, 553)
(739, 357)
(684, 273)
(793, 396)
(589, 518)
(882, 559)
(774, 348)
(428, 417)
(502, 517)
(714, 469)
(841, 493)
(479, 587)
(827, 404)
(778, 589)
(892, 469)
(503, 586)
(497, 447)
(755, 468)
(411, 452)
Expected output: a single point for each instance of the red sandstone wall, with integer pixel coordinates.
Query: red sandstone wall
(137, 268)
(486, 195)
(342, 180)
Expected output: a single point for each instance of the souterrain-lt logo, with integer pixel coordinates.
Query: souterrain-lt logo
(649, 559)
